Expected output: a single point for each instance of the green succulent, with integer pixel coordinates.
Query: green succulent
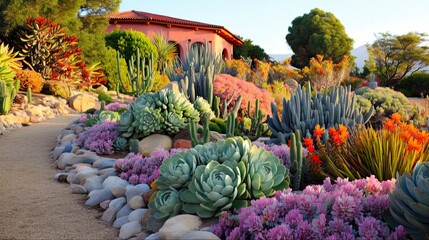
(409, 202)
(213, 188)
(147, 121)
(177, 170)
(126, 121)
(203, 107)
(166, 204)
(108, 115)
(225, 149)
(120, 144)
(173, 122)
(265, 173)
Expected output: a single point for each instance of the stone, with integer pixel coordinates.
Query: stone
(36, 119)
(84, 174)
(132, 191)
(105, 204)
(90, 159)
(114, 181)
(148, 144)
(72, 174)
(114, 206)
(143, 186)
(66, 132)
(63, 159)
(77, 189)
(93, 183)
(107, 164)
(137, 215)
(129, 229)
(172, 85)
(81, 102)
(198, 235)
(182, 143)
(118, 191)
(140, 236)
(147, 195)
(101, 160)
(125, 211)
(120, 221)
(81, 166)
(180, 225)
(61, 177)
(98, 196)
(136, 202)
(102, 88)
(56, 153)
(108, 172)
(153, 236)
(68, 139)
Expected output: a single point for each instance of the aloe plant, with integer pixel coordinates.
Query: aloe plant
(409, 202)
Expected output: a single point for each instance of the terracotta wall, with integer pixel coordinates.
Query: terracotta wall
(184, 37)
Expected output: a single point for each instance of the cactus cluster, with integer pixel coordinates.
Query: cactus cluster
(8, 85)
(409, 202)
(164, 111)
(303, 112)
(140, 77)
(217, 176)
(196, 74)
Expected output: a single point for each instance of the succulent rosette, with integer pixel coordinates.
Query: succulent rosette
(213, 188)
(120, 144)
(177, 170)
(125, 124)
(173, 122)
(146, 122)
(203, 107)
(265, 173)
(166, 204)
(224, 149)
(108, 116)
(410, 202)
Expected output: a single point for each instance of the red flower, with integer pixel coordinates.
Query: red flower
(318, 131)
(396, 117)
(316, 159)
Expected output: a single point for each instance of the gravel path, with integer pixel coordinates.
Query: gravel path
(32, 204)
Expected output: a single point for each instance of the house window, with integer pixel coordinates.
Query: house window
(177, 46)
(225, 54)
(197, 45)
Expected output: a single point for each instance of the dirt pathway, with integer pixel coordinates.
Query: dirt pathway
(32, 204)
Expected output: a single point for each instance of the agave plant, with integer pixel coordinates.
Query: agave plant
(265, 173)
(214, 188)
(166, 204)
(177, 171)
(410, 202)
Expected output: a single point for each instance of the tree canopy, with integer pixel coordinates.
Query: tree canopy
(249, 50)
(397, 56)
(318, 33)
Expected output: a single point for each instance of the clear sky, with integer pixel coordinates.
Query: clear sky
(266, 22)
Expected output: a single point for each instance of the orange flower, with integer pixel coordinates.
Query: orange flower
(308, 142)
(405, 135)
(389, 125)
(316, 158)
(396, 117)
(318, 131)
(422, 136)
(320, 70)
(413, 144)
(332, 131)
(337, 139)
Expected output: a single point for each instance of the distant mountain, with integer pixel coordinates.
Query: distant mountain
(280, 57)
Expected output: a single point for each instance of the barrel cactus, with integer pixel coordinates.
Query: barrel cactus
(409, 202)
(214, 188)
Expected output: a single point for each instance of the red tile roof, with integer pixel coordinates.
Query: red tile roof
(138, 16)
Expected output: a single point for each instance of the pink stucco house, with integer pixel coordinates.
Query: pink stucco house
(183, 32)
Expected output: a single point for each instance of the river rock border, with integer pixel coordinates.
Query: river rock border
(124, 205)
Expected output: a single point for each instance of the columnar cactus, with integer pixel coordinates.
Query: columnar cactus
(302, 112)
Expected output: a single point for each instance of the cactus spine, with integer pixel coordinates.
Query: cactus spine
(140, 76)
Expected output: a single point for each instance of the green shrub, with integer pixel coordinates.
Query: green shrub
(128, 41)
(415, 85)
(387, 101)
(110, 69)
(102, 96)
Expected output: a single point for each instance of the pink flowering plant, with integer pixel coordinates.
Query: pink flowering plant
(99, 138)
(137, 169)
(344, 210)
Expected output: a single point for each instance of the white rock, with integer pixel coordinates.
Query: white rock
(148, 144)
(198, 235)
(118, 191)
(136, 202)
(77, 189)
(129, 229)
(114, 206)
(180, 225)
(93, 183)
(114, 181)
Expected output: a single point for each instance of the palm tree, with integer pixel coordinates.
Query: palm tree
(166, 52)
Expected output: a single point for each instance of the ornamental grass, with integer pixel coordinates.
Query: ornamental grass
(396, 148)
